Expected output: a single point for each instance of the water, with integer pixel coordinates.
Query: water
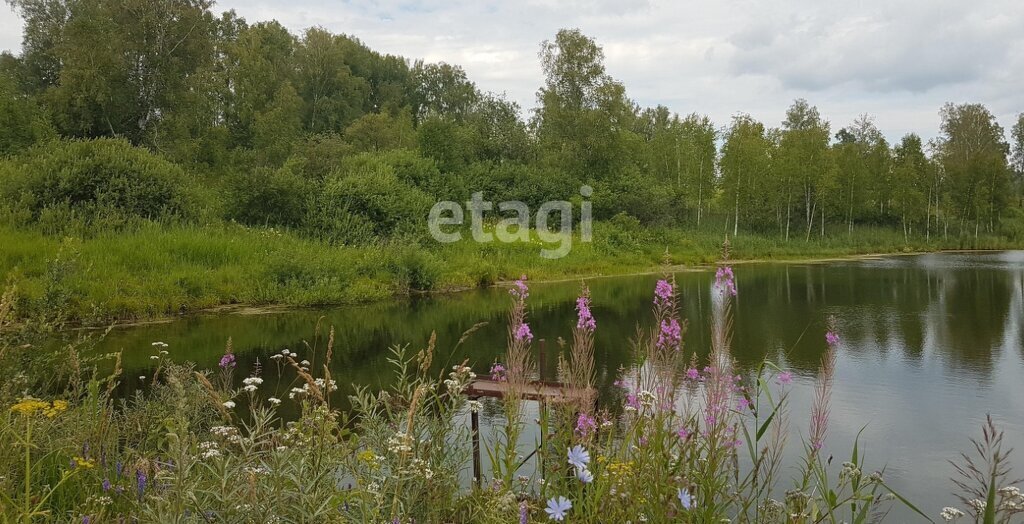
(930, 344)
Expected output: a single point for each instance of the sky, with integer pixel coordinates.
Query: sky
(898, 61)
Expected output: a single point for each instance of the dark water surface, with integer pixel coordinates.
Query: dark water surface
(930, 344)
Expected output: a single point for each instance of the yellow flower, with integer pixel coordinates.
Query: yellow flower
(370, 458)
(56, 408)
(28, 406)
(83, 463)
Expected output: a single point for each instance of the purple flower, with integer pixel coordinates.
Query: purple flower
(524, 512)
(586, 320)
(663, 292)
(831, 338)
(140, 483)
(785, 378)
(498, 372)
(725, 280)
(86, 519)
(523, 332)
(671, 334)
(585, 425)
(519, 288)
(683, 433)
(742, 404)
(118, 468)
(693, 374)
(585, 475)
(632, 401)
(227, 361)
(106, 484)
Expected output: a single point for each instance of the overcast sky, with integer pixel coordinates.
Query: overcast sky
(896, 60)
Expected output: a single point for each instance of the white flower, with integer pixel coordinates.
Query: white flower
(162, 352)
(304, 363)
(250, 388)
(210, 453)
(229, 404)
(474, 405)
(276, 356)
(142, 377)
(274, 401)
(951, 514)
(252, 381)
(159, 344)
(154, 357)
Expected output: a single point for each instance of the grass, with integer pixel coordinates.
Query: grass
(153, 271)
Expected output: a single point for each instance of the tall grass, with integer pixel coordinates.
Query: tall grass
(152, 270)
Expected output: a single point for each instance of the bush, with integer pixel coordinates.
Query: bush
(371, 201)
(268, 197)
(97, 178)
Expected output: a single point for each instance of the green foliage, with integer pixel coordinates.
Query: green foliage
(96, 178)
(268, 197)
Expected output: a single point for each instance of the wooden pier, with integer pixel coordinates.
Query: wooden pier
(538, 390)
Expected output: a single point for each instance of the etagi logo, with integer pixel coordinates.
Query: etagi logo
(514, 228)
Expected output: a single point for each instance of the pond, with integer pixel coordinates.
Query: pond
(929, 345)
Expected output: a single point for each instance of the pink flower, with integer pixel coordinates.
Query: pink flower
(585, 425)
(523, 332)
(671, 334)
(785, 378)
(692, 374)
(725, 280)
(683, 433)
(663, 292)
(586, 320)
(742, 404)
(831, 338)
(498, 372)
(520, 290)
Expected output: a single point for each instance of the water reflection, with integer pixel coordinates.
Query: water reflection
(930, 344)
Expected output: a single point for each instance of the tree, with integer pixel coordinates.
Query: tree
(746, 159)
(381, 131)
(335, 96)
(909, 180)
(974, 157)
(803, 159)
(1018, 156)
(442, 90)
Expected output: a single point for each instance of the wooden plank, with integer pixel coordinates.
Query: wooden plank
(536, 390)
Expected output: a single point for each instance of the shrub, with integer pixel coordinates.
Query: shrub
(268, 197)
(95, 178)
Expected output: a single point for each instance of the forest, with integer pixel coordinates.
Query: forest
(134, 128)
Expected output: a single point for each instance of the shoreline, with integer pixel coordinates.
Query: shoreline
(269, 309)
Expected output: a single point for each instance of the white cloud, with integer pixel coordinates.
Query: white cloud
(899, 61)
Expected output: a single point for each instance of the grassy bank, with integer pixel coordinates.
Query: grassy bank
(154, 271)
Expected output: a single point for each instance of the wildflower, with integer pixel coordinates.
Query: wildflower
(86, 519)
(683, 433)
(523, 332)
(585, 425)
(252, 381)
(584, 475)
(663, 292)
(274, 401)
(251, 388)
(785, 378)
(671, 334)
(1009, 492)
(632, 402)
(140, 484)
(105, 485)
(831, 338)
(685, 499)
(142, 377)
(227, 361)
(693, 374)
(229, 404)
(725, 280)
(585, 319)
(520, 290)
(498, 372)
(557, 508)
(742, 404)
(159, 344)
(474, 406)
(154, 357)
(79, 462)
(950, 514)
(29, 406)
(524, 512)
(578, 457)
